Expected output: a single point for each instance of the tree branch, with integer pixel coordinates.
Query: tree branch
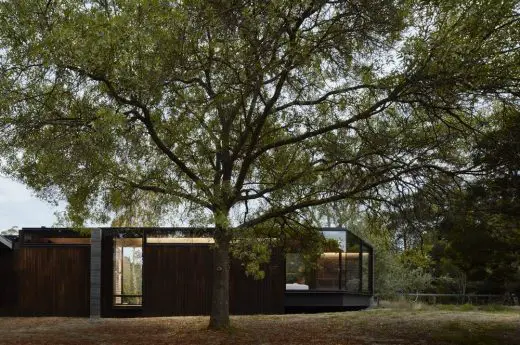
(373, 110)
(362, 187)
(326, 96)
(147, 121)
(157, 189)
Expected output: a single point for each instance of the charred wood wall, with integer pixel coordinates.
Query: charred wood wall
(9, 282)
(264, 296)
(51, 280)
(178, 281)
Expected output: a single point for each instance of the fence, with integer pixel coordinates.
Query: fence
(477, 299)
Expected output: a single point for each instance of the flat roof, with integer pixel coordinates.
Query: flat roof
(8, 240)
(198, 231)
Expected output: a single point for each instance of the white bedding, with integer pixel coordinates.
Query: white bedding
(296, 286)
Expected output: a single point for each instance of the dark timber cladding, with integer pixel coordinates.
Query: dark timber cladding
(161, 272)
(177, 280)
(265, 296)
(53, 280)
(8, 282)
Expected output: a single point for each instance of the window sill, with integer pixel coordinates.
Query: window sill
(127, 306)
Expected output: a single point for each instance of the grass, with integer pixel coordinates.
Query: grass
(382, 326)
(404, 304)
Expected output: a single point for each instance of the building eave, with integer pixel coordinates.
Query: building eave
(6, 242)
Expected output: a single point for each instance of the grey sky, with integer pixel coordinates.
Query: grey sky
(19, 207)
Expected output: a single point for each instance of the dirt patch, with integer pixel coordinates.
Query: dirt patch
(373, 327)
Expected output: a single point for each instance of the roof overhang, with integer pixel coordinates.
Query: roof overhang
(8, 243)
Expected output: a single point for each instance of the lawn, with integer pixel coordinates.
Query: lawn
(376, 326)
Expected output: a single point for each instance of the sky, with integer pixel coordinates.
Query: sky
(19, 207)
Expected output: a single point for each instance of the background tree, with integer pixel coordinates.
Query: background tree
(246, 113)
(481, 228)
(11, 231)
(471, 233)
(396, 270)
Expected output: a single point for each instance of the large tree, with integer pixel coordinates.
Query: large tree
(481, 227)
(244, 111)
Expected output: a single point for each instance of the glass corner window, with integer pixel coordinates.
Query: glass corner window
(345, 265)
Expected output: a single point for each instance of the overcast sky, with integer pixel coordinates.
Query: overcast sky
(19, 207)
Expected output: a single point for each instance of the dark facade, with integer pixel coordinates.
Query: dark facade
(162, 272)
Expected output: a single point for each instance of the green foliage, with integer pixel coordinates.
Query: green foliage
(281, 105)
(11, 231)
(240, 113)
(331, 245)
(480, 227)
(416, 258)
(309, 244)
(393, 276)
(132, 276)
(253, 252)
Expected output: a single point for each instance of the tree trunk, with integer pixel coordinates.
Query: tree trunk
(219, 318)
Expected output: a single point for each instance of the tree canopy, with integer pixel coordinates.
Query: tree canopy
(467, 235)
(482, 225)
(245, 112)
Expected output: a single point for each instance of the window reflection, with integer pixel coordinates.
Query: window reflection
(352, 268)
(328, 271)
(340, 238)
(344, 266)
(366, 258)
(128, 271)
(297, 278)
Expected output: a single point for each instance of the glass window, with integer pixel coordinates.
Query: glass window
(128, 271)
(186, 236)
(352, 271)
(55, 238)
(328, 271)
(296, 275)
(325, 273)
(344, 265)
(366, 262)
(180, 240)
(339, 236)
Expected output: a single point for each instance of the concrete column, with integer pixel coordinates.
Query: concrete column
(95, 273)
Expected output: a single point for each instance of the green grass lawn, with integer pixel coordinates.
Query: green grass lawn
(381, 326)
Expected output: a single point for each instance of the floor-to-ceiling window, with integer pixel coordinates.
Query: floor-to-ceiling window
(128, 271)
(344, 265)
(366, 271)
(352, 264)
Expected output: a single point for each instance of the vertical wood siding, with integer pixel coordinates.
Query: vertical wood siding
(53, 280)
(265, 296)
(8, 282)
(177, 280)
